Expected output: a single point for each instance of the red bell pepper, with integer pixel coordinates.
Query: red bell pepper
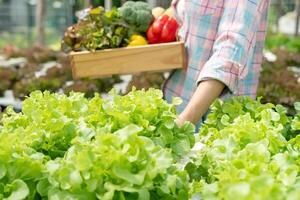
(162, 30)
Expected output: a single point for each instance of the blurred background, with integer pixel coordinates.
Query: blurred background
(19, 18)
(30, 57)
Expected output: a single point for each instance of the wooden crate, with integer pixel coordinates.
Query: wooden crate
(128, 60)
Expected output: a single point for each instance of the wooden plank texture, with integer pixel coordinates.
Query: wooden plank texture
(128, 60)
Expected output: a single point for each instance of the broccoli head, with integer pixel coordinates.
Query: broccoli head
(143, 17)
(129, 14)
(137, 14)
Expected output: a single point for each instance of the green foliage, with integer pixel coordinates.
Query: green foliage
(99, 30)
(278, 41)
(27, 36)
(97, 3)
(129, 147)
(296, 121)
(122, 165)
(71, 147)
(250, 152)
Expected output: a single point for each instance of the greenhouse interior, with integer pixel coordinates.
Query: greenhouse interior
(149, 100)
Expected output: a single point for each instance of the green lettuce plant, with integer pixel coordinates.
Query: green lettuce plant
(71, 147)
(251, 151)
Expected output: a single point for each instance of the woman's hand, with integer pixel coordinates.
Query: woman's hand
(180, 120)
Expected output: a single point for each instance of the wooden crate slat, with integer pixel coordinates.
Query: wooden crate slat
(87, 55)
(128, 60)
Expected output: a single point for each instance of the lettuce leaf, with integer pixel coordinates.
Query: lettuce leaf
(251, 151)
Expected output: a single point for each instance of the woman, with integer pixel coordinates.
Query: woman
(224, 41)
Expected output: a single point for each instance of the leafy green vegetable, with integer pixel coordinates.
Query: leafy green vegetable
(19, 190)
(99, 30)
(122, 164)
(296, 121)
(224, 113)
(62, 147)
(138, 15)
(151, 112)
(251, 152)
(129, 147)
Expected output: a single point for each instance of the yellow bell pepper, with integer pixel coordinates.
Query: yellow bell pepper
(137, 40)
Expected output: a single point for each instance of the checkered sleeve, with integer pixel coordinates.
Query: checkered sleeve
(234, 43)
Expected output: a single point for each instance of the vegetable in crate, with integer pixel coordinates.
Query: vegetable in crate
(157, 12)
(138, 15)
(137, 40)
(170, 12)
(99, 30)
(162, 30)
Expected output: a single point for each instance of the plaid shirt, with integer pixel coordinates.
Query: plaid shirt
(224, 41)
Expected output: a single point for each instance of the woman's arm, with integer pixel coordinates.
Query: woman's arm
(233, 47)
(205, 94)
